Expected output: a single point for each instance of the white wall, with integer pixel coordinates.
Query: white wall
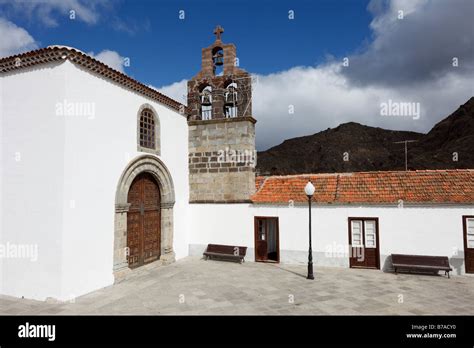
(32, 185)
(434, 230)
(62, 194)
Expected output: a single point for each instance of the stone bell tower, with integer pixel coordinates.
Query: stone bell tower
(222, 156)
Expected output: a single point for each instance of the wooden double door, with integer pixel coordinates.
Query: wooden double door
(143, 221)
(468, 231)
(364, 243)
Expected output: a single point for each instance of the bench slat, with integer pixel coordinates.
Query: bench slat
(399, 265)
(221, 254)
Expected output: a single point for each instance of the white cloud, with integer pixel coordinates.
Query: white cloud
(130, 26)
(417, 48)
(14, 39)
(46, 11)
(177, 91)
(111, 58)
(322, 97)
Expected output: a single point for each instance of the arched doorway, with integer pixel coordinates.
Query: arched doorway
(145, 180)
(143, 221)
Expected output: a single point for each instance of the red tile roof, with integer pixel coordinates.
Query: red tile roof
(59, 53)
(421, 186)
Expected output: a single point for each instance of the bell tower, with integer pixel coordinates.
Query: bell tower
(222, 156)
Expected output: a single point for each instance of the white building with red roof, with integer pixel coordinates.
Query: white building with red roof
(102, 174)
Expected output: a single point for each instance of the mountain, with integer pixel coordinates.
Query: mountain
(352, 147)
(454, 134)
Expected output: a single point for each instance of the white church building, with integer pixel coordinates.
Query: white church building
(101, 174)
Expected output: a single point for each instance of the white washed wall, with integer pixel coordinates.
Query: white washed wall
(410, 230)
(32, 188)
(74, 163)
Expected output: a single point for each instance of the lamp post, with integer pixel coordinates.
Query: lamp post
(309, 191)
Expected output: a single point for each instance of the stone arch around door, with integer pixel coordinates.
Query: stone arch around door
(143, 164)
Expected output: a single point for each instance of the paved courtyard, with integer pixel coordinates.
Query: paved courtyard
(194, 286)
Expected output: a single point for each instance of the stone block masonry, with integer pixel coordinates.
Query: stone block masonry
(222, 160)
(222, 156)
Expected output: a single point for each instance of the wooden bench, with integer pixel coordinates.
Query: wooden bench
(421, 263)
(225, 252)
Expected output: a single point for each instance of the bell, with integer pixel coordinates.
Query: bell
(231, 97)
(206, 99)
(218, 58)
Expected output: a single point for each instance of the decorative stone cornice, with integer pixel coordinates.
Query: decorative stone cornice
(122, 208)
(166, 205)
(222, 120)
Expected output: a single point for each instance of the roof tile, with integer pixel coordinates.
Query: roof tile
(420, 186)
(58, 53)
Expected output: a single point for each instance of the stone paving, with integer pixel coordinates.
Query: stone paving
(193, 286)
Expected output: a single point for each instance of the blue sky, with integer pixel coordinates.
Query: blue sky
(399, 51)
(164, 48)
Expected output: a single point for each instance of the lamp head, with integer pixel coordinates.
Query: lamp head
(309, 189)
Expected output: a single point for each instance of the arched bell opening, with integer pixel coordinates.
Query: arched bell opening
(205, 99)
(231, 100)
(218, 60)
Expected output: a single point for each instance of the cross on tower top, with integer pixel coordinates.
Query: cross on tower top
(218, 32)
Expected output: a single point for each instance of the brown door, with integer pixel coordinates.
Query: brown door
(364, 243)
(468, 231)
(143, 221)
(267, 243)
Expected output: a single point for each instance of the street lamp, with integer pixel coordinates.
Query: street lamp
(309, 191)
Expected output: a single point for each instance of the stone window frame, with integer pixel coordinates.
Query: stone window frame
(157, 149)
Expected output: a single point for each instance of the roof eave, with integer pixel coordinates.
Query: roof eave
(61, 53)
